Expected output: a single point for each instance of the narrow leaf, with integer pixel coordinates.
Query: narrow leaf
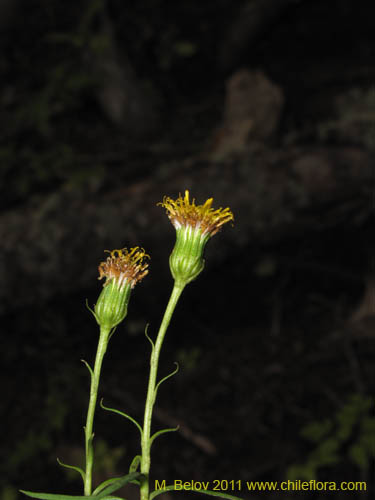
(104, 484)
(118, 484)
(88, 367)
(104, 495)
(167, 377)
(113, 498)
(123, 415)
(148, 337)
(73, 467)
(135, 463)
(204, 492)
(163, 431)
(53, 496)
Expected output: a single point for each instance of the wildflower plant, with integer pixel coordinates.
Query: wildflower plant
(122, 270)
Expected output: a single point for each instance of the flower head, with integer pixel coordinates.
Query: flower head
(124, 267)
(182, 212)
(194, 224)
(122, 271)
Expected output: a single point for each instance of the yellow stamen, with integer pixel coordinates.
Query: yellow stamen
(124, 265)
(182, 212)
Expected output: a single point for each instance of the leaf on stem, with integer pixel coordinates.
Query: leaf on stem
(113, 498)
(73, 467)
(104, 484)
(88, 367)
(54, 496)
(125, 415)
(105, 494)
(167, 377)
(128, 478)
(163, 431)
(149, 338)
(135, 463)
(57, 496)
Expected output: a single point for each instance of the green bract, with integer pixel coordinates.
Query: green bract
(122, 270)
(112, 305)
(186, 260)
(195, 224)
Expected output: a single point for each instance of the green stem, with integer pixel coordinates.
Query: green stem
(151, 391)
(95, 376)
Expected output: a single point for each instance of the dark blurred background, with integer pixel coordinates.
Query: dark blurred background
(269, 107)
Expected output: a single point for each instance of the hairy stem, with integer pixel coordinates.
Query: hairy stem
(102, 347)
(151, 391)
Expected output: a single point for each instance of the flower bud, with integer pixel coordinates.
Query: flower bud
(194, 224)
(122, 271)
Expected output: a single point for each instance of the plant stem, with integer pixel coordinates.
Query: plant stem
(151, 391)
(95, 376)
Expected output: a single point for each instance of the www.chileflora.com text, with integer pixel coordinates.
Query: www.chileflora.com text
(241, 485)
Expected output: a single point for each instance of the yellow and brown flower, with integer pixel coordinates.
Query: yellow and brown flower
(194, 224)
(124, 266)
(122, 270)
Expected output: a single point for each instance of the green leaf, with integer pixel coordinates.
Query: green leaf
(88, 367)
(73, 467)
(104, 484)
(118, 484)
(204, 492)
(163, 431)
(104, 495)
(135, 463)
(113, 498)
(149, 338)
(167, 377)
(123, 415)
(53, 496)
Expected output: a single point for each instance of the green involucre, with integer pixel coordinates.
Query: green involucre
(186, 261)
(112, 305)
